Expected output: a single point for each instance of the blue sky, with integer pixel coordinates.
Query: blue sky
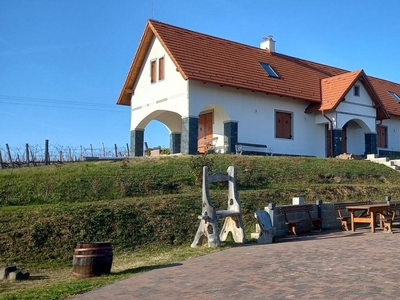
(63, 62)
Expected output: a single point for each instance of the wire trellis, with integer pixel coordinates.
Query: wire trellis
(30, 155)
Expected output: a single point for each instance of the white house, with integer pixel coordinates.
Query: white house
(207, 88)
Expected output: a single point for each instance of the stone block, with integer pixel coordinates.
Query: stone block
(4, 273)
(298, 200)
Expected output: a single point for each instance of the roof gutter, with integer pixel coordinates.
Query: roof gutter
(331, 130)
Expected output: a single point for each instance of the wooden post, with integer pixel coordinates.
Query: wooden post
(9, 155)
(1, 161)
(127, 149)
(27, 154)
(116, 150)
(46, 153)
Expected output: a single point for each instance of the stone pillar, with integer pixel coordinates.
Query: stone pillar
(370, 143)
(318, 203)
(298, 201)
(189, 135)
(337, 142)
(230, 136)
(137, 140)
(175, 142)
(271, 209)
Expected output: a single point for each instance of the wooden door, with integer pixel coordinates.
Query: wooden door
(205, 131)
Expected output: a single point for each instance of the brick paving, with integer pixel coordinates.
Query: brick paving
(327, 265)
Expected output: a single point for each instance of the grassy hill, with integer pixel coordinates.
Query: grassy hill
(148, 207)
(45, 211)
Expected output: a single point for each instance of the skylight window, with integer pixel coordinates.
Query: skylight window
(395, 96)
(270, 71)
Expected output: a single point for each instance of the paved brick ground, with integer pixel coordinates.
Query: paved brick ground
(329, 265)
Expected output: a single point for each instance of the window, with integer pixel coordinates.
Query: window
(357, 90)
(283, 125)
(395, 96)
(153, 66)
(381, 136)
(161, 74)
(270, 71)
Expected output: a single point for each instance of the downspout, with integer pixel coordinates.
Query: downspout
(331, 129)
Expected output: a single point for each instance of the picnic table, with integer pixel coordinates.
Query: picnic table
(367, 213)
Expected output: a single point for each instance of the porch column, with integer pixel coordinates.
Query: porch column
(370, 143)
(230, 135)
(175, 142)
(337, 142)
(137, 139)
(189, 135)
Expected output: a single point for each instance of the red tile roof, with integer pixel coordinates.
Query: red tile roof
(334, 89)
(211, 59)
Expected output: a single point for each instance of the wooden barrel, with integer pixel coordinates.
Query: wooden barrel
(92, 259)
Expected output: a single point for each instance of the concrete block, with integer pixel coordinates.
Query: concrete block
(298, 200)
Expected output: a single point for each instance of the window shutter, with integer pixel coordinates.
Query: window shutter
(283, 126)
(153, 65)
(161, 73)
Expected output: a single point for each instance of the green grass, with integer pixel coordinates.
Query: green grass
(148, 209)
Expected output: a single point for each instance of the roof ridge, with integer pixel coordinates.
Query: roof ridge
(204, 34)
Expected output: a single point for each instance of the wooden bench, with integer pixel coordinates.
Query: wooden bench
(343, 215)
(393, 214)
(248, 148)
(302, 216)
(208, 227)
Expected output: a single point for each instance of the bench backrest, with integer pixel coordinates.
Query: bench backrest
(287, 209)
(395, 209)
(341, 207)
(293, 209)
(233, 200)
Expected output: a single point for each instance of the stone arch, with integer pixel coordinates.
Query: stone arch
(171, 120)
(354, 133)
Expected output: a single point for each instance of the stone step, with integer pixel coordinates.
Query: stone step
(372, 156)
(394, 163)
(389, 163)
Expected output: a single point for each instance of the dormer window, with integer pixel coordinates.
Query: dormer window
(357, 90)
(270, 71)
(395, 96)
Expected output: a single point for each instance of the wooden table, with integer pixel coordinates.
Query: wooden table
(366, 213)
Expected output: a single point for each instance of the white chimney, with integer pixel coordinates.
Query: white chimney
(268, 43)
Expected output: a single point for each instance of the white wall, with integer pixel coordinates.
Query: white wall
(170, 94)
(356, 107)
(255, 113)
(393, 133)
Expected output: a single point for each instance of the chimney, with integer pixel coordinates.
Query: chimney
(268, 43)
